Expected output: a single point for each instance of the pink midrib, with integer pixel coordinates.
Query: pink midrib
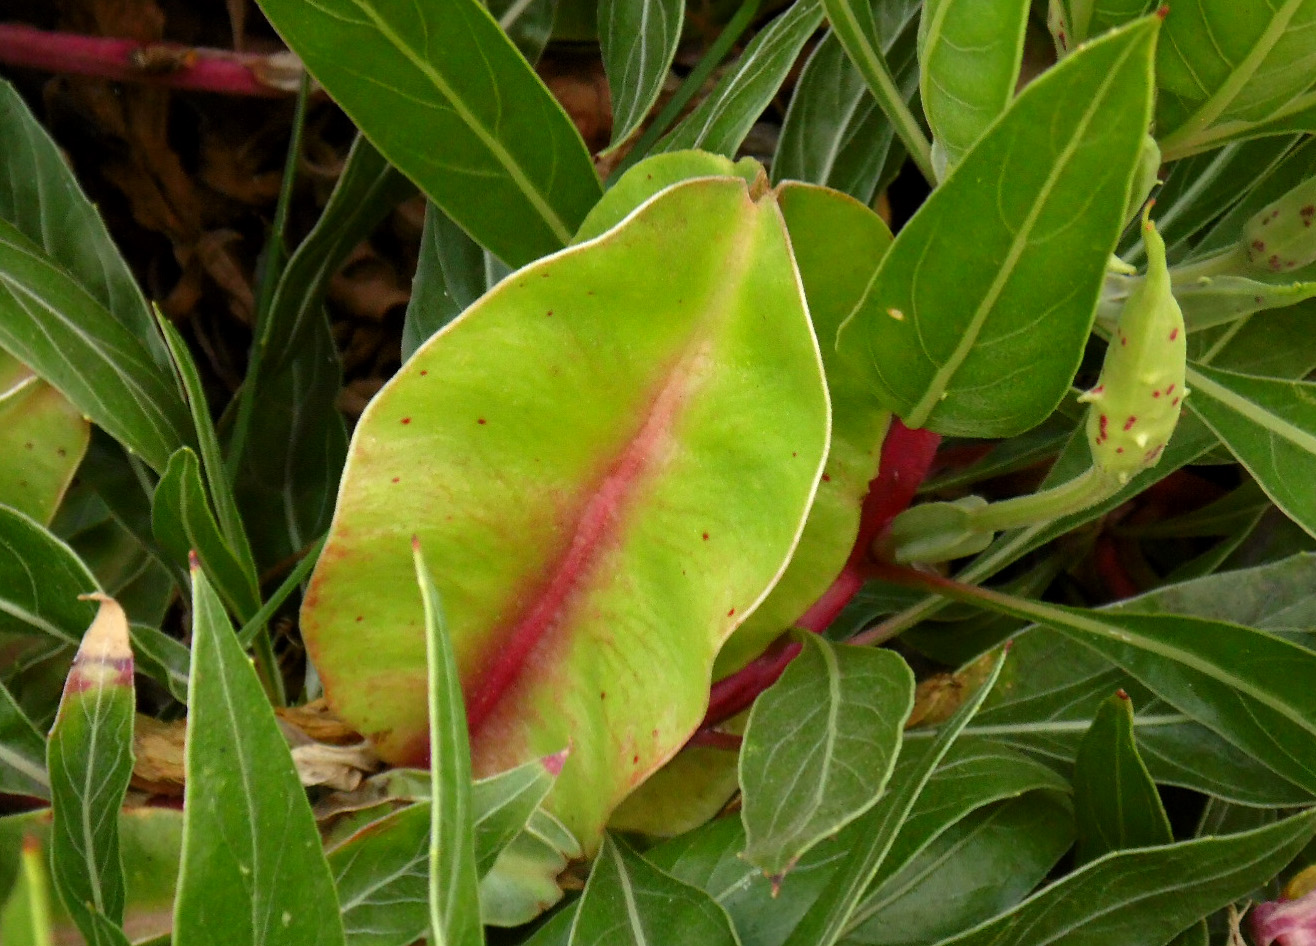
(598, 524)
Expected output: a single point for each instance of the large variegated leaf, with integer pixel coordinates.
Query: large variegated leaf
(599, 514)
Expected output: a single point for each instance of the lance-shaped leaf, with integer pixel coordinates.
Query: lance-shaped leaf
(1147, 895)
(454, 898)
(723, 119)
(252, 869)
(22, 751)
(629, 902)
(449, 277)
(867, 842)
(969, 53)
(44, 437)
(1270, 425)
(381, 873)
(1074, 22)
(638, 39)
(820, 746)
(630, 481)
(1004, 262)
(25, 915)
(1115, 800)
(466, 117)
(523, 881)
(90, 758)
(1229, 71)
(40, 581)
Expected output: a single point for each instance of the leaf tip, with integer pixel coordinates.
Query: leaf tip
(105, 657)
(193, 563)
(553, 763)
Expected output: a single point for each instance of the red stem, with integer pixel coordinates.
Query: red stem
(168, 64)
(906, 458)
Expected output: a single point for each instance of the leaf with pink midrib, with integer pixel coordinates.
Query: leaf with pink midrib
(608, 471)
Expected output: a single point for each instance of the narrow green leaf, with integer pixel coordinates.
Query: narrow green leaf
(51, 323)
(638, 39)
(164, 659)
(629, 902)
(723, 119)
(1040, 200)
(834, 132)
(523, 881)
(184, 523)
(25, 917)
(367, 191)
(868, 840)
(820, 746)
(465, 118)
(1270, 425)
(40, 581)
(1227, 71)
(22, 751)
(454, 881)
(449, 278)
(1115, 800)
(981, 866)
(382, 872)
(1147, 895)
(969, 53)
(90, 758)
(252, 868)
(528, 24)
(40, 196)
(1074, 22)
(864, 29)
(44, 435)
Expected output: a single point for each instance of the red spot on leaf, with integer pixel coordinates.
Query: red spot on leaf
(1163, 10)
(1259, 245)
(1174, 333)
(1128, 424)
(425, 372)
(1170, 388)
(480, 420)
(731, 612)
(360, 618)
(705, 536)
(549, 313)
(406, 420)
(397, 479)
(635, 759)
(1101, 428)
(1175, 402)
(826, 478)
(1156, 394)
(1119, 449)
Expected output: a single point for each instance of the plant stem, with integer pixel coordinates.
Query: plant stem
(272, 267)
(732, 32)
(1087, 489)
(251, 630)
(166, 64)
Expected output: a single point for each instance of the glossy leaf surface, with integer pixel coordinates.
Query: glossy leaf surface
(969, 53)
(22, 751)
(1270, 425)
(564, 504)
(90, 759)
(449, 277)
(44, 437)
(252, 868)
(465, 118)
(40, 580)
(819, 748)
(1008, 254)
(723, 119)
(1147, 895)
(638, 39)
(1115, 800)
(629, 902)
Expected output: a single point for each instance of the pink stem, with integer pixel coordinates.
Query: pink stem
(907, 456)
(168, 64)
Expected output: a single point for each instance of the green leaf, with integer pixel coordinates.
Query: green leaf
(162, 658)
(1147, 895)
(22, 751)
(835, 241)
(523, 881)
(819, 748)
(25, 917)
(1004, 262)
(981, 866)
(367, 191)
(43, 435)
(90, 758)
(40, 581)
(40, 196)
(1115, 800)
(1223, 299)
(51, 323)
(1074, 22)
(638, 39)
(449, 278)
(252, 866)
(867, 842)
(723, 119)
(184, 523)
(555, 573)
(1270, 425)
(969, 52)
(629, 902)
(466, 118)
(382, 872)
(453, 883)
(1229, 71)
(528, 23)
(834, 132)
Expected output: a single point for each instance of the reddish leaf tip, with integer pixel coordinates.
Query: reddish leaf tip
(553, 763)
(1121, 694)
(193, 563)
(415, 543)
